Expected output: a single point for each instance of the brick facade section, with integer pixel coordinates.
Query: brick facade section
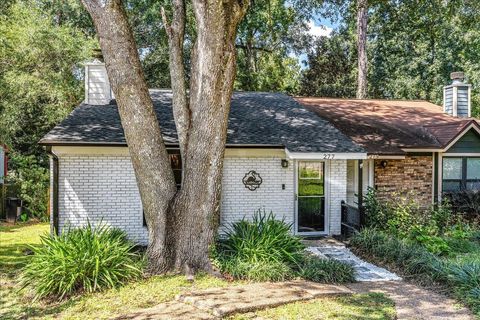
(103, 188)
(410, 175)
(238, 201)
(337, 191)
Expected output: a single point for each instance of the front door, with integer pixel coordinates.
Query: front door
(311, 198)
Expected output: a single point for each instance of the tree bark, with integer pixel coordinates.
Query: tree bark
(182, 224)
(142, 131)
(362, 16)
(213, 72)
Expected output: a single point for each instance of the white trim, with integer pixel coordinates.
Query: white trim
(322, 156)
(326, 186)
(370, 174)
(469, 101)
(123, 151)
(423, 150)
(87, 91)
(83, 150)
(477, 154)
(472, 125)
(444, 99)
(433, 177)
(440, 177)
(383, 157)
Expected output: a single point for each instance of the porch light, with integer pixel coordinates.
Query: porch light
(384, 163)
(284, 163)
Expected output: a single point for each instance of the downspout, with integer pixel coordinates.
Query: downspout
(54, 217)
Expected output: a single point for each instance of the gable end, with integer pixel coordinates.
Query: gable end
(468, 143)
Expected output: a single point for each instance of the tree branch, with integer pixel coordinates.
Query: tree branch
(241, 46)
(176, 34)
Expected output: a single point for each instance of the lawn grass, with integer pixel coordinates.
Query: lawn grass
(16, 304)
(372, 306)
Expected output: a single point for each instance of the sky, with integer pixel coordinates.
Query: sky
(318, 27)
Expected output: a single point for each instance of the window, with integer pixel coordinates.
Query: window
(176, 163)
(461, 174)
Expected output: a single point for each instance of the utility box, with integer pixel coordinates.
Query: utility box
(13, 209)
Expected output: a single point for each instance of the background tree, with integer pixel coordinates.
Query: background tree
(39, 86)
(331, 68)
(412, 47)
(362, 18)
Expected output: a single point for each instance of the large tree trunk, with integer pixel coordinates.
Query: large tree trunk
(362, 16)
(212, 76)
(181, 224)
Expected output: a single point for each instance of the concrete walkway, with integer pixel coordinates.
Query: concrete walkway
(364, 271)
(411, 301)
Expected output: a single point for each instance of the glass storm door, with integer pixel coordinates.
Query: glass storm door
(311, 197)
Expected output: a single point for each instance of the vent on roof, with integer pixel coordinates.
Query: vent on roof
(97, 86)
(456, 97)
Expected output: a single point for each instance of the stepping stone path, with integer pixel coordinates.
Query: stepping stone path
(411, 302)
(364, 271)
(217, 303)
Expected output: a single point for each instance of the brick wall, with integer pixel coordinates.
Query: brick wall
(103, 188)
(337, 187)
(239, 202)
(100, 188)
(412, 174)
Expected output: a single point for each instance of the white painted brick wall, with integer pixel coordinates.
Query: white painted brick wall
(337, 186)
(103, 188)
(239, 202)
(100, 188)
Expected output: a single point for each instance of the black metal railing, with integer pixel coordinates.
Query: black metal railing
(352, 219)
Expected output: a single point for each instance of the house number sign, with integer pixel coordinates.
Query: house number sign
(252, 180)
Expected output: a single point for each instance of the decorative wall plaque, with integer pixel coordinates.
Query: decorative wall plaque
(252, 180)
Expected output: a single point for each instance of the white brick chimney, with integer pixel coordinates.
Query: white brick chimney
(97, 86)
(457, 96)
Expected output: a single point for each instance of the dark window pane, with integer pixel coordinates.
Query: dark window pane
(451, 186)
(311, 214)
(452, 168)
(473, 185)
(178, 176)
(175, 161)
(473, 168)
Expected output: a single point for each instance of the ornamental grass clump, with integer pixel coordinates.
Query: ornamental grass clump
(262, 249)
(81, 260)
(326, 270)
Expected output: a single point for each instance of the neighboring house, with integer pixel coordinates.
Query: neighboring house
(296, 157)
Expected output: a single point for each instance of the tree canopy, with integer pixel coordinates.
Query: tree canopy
(413, 46)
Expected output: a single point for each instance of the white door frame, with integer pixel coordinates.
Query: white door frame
(326, 181)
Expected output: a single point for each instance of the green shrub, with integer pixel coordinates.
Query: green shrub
(81, 260)
(261, 249)
(326, 270)
(257, 270)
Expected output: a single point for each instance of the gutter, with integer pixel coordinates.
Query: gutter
(54, 214)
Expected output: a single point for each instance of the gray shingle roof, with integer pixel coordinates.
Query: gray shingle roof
(256, 118)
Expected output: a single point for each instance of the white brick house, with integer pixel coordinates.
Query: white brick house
(281, 157)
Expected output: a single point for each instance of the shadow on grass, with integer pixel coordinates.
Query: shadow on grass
(366, 307)
(14, 257)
